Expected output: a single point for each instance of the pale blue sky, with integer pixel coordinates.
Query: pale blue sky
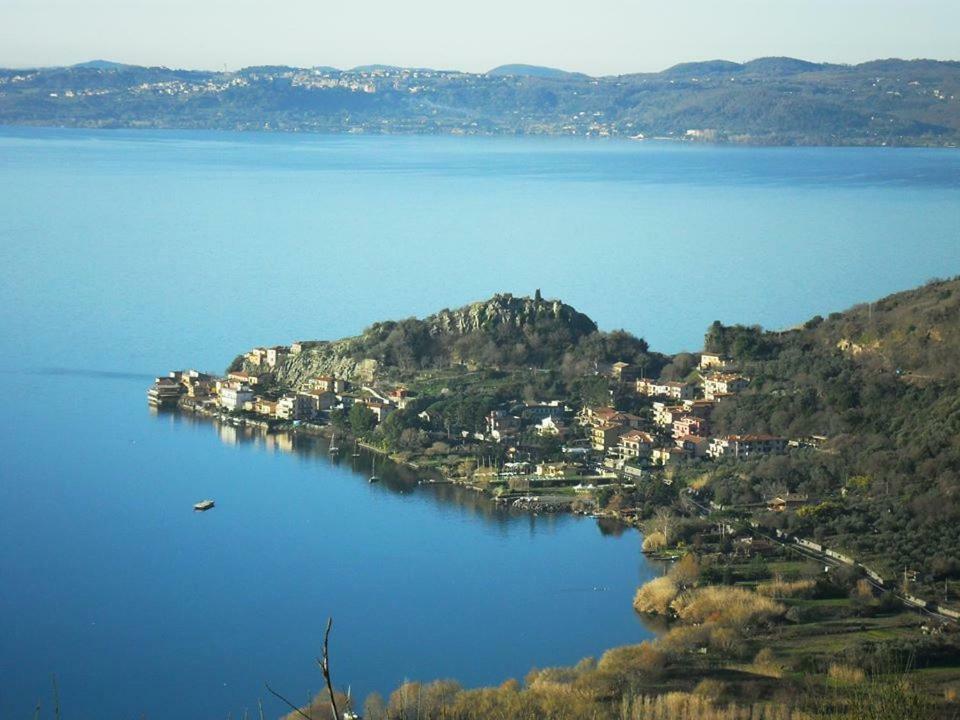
(598, 37)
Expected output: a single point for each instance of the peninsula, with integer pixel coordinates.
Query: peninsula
(803, 482)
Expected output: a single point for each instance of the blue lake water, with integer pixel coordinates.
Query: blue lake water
(126, 254)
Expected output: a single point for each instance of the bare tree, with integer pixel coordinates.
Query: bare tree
(664, 522)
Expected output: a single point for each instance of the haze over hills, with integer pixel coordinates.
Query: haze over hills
(532, 71)
(774, 100)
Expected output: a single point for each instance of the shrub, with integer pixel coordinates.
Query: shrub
(765, 663)
(654, 541)
(709, 689)
(780, 588)
(729, 606)
(644, 658)
(656, 596)
(683, 639)
(685, 572)
(845, 674)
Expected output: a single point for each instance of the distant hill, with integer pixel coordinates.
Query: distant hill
(537, 71)
(708, 67)
(101, 65)
(767, 101)
(782, 66)
(375, 68)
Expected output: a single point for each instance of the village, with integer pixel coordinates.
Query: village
(548, 454)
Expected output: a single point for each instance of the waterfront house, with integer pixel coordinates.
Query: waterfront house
(196, 383)
(378, 407)
(234, 395)
(287, 408)
(263, 406)
(165, 391)
(310, 404)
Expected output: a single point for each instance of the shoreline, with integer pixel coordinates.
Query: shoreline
(530, 502)
(625, 139)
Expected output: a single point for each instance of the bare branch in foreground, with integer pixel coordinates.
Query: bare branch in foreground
(325, 668)
(288, 703)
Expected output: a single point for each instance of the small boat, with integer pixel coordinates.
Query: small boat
(203, 505)
(373, 471)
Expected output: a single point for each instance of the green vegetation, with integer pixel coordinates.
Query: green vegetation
(755, 622)
(767, 101)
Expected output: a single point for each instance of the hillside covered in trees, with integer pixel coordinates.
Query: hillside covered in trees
(881, 384)
(774, 101)
(502, 333)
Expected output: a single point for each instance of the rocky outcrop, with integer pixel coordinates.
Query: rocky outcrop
(503, 321)
(325, 359)
(508, 311)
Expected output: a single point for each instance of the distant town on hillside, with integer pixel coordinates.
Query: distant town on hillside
(768, 101)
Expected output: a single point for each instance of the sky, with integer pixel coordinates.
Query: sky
(601, 37)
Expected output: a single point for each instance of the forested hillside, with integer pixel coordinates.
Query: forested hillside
(881, 383)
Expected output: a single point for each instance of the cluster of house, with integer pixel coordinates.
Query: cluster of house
(679, 427)
(681, 420)
(239, 391)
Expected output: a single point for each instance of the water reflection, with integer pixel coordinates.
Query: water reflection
(393, 477)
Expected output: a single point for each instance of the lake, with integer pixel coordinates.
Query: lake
(131, 253)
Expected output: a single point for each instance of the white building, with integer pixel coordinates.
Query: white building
(719, 384)
(233, 396)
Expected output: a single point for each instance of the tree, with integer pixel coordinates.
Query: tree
(361, 419)
(663, 522)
